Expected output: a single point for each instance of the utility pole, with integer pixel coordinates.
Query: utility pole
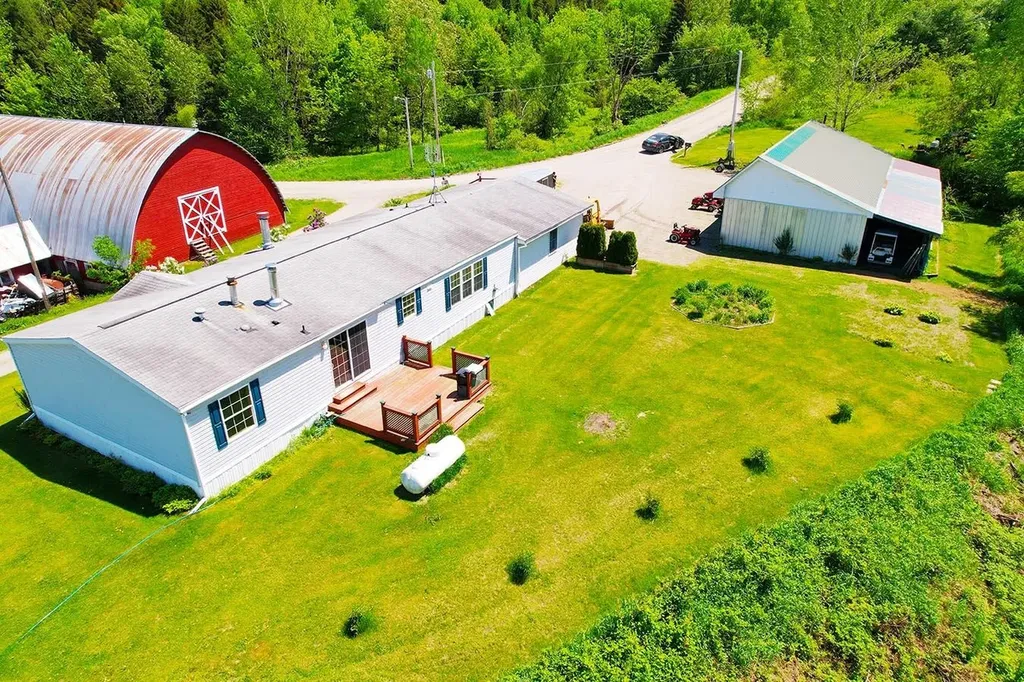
(432, 75)
(731, 151)
(24, 236)
(408, 128)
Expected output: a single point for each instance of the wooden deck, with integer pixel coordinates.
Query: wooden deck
(409, 390)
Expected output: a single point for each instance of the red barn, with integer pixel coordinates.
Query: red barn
(77, 180)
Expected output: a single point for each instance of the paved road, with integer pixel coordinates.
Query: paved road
(643, 192)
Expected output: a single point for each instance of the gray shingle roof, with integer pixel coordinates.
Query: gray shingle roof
(331, 277)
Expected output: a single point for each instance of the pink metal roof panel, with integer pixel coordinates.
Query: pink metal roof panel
(77, 180)
(912, 196)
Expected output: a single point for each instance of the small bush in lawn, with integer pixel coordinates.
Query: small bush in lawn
(752, 293)
(591, 242)
(521, 568)
(759, 460)
(724, 289)
(175, 498)
(944, 357)
(230, 491)
(884, 343)
(929, 318)
(760, 317)
(650, 508)
(443, 431)
(358, 623)
(680, 295)
(622, 249)
(698, 286)
(895, 310)
(849, 253)
(843, 414)
(262, 474)
(447, 476)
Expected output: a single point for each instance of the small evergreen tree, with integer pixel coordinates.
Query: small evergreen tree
(622, 249)
(591, 242)
(784, 242)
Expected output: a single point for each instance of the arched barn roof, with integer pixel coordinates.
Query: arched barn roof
(77, 180)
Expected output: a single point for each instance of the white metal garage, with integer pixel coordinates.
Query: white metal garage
(831, 190)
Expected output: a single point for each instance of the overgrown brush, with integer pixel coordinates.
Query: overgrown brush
(725, 304)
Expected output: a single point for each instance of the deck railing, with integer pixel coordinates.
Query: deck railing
(461, 359)
(417, 353)
(412, 425)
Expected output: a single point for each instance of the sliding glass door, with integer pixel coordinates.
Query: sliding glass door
(350, 354)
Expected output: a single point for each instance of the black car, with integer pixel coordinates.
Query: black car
(662, 142)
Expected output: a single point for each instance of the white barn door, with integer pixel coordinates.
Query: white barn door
(202, 217)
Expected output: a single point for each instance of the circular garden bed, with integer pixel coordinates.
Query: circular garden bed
(725, 304)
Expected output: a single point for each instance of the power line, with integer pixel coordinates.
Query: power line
(582, 61)
(594, 80)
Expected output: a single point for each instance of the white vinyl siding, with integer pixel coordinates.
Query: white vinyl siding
(79, 395)
(536, 259)
(816, 234)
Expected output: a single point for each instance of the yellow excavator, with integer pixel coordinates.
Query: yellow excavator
(594, 217)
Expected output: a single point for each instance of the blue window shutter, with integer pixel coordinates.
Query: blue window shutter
(552, 240)
(219, 433)
(447, 294)
(257, 402)
(485, 272)
(398, 311)
(419, 302)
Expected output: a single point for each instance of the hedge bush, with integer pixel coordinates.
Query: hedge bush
(591, 242)
(174, 498)
(521, 568)
(622, 249)
(759, 460)
(358, 623)
(898, 575)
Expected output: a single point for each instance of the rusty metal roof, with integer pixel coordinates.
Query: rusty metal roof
(77, 180)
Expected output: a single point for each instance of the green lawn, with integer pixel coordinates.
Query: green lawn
(891, 126)
(965, 258)
(13, 324)
(259, 585)
(299, 212)
(465, 151)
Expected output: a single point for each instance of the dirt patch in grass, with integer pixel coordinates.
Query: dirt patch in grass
(950, 337)
(996, 507)
(600, 423)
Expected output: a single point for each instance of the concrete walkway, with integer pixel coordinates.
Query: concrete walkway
(6, 363)
(642, 192)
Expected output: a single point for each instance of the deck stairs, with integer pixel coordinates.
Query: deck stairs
(203, 250)
(357, 392)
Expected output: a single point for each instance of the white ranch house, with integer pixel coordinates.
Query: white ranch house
(171, 377)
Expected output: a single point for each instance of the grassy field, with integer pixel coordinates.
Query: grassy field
(966, 259)
(259, 585)
(13, 324)
(888, 126)
(299, 212)
(465, 150)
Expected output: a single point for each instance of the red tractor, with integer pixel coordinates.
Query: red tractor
(707, 202)
(684, 235)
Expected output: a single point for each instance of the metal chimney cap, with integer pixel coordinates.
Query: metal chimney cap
(263, 215)
(232, 281)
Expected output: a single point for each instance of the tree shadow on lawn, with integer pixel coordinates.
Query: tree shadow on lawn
(982, 278)
(68, 469)
(986, 322)
(740, 253)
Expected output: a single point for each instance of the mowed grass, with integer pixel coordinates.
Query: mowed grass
(259, 585)
(465, 150)
(966, 258)
(891, 126)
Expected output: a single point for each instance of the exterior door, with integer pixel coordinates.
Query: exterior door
(350, 354)
(202, 217)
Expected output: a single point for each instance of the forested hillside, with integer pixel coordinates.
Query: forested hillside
(294, 77)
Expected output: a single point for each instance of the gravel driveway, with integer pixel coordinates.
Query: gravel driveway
(642, 192)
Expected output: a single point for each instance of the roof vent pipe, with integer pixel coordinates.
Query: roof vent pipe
(200, 314)
(275, 301)
(233, 290)
(264, 218)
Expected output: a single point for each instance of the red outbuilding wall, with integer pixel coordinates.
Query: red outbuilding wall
(201, 163)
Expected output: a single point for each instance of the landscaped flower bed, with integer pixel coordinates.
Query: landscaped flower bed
(724, 304)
